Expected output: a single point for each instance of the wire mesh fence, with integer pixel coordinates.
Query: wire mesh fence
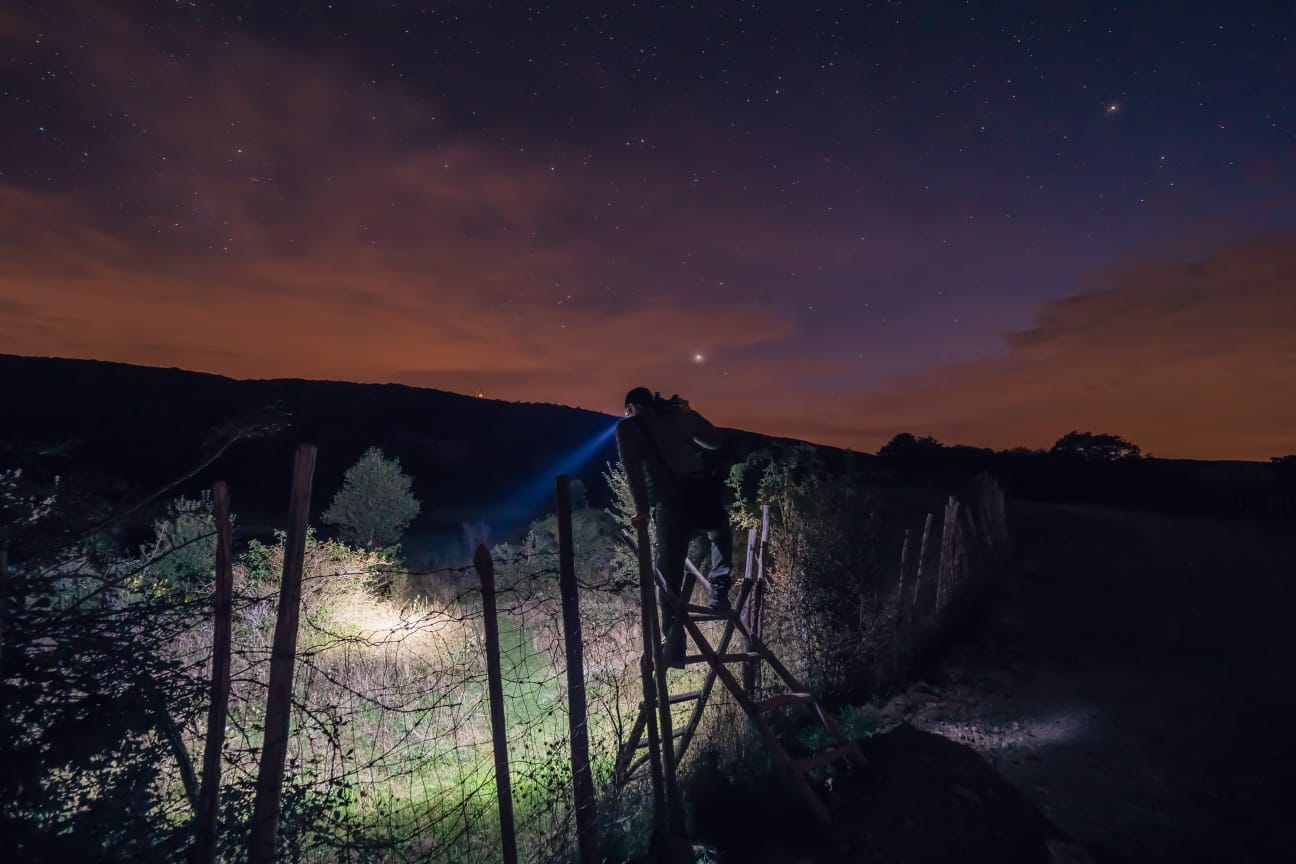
(107, 663)
(393, 721)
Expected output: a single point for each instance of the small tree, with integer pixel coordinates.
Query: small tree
(374, 505)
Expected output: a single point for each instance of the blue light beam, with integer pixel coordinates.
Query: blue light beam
(531, 496)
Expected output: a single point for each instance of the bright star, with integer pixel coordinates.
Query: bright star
(1113, 107)
(698, 358)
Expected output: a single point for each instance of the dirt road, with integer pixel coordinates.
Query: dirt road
(1135, 681)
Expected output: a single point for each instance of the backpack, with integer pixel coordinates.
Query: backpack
(703, 495)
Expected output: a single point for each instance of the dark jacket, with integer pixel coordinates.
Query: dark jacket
(661, 448)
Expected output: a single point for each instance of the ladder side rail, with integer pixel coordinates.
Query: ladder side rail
(651, 653)
(781, 758)
(709, 682)
(834, 729)
(674, 803)
(622, 770)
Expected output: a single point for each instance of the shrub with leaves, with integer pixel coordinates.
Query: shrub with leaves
(623, 561)
(183, 553)
(94, 699)
(823, 605)
(375, 504)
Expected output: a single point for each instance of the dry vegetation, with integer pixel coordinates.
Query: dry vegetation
(390, 753)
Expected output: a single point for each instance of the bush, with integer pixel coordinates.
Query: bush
(181, 560)
(95, 698)
(823, 607)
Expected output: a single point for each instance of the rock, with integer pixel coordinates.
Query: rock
(1063, 852)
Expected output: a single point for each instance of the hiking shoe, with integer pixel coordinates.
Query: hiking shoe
(719, 601)
(673, 649)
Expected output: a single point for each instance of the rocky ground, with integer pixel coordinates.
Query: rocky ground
(1126, 697)
(1134, 681)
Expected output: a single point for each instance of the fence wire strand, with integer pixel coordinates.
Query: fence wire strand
(390, 756)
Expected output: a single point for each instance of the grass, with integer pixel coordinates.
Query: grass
(394, 712)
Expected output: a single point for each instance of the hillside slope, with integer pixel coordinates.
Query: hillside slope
(470, 457)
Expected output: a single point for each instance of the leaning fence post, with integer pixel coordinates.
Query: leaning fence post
(899, 604)
(207, 822)
(499, 732)
(582, 781)
(265, 808)
(918, 575)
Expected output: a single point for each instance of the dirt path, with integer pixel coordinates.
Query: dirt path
(1135, 682)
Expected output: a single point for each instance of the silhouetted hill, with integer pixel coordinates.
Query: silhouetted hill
(470, 458)
(482, 459)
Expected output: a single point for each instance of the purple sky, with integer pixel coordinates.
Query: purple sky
(833, 223)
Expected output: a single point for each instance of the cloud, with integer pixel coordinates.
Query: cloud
(1192, 358)
(265, 212)
(256, 210)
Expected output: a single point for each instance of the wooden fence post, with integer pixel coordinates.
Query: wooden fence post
(918, 575)
(499, 731)
(4, 592)
(207, 821)
(582, 781)
(648, 616)
(899, 605)
(947, 558)
(265, 810)
(749, 666)
(758, 596)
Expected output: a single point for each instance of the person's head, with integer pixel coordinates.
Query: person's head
(637, 400)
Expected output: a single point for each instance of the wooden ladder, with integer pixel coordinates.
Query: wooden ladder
(796, 771)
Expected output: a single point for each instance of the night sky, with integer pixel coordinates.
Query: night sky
(988, 222)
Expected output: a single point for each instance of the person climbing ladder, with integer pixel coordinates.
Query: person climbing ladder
(664, 446)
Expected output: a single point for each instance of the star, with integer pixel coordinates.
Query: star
(1113, 107)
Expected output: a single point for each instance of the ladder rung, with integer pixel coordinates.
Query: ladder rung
(637, 764)
(784, 699)
(679, 697)
(678, 733)
(723, 658)
(707, 611)
(822, 758)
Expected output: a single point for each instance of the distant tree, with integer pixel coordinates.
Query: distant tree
(1286, 466)
(906, 442)
(908, 449)
(1095, 447)
(374, 505)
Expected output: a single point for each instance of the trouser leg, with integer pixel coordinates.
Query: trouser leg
(721, 538)
(672, 545)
